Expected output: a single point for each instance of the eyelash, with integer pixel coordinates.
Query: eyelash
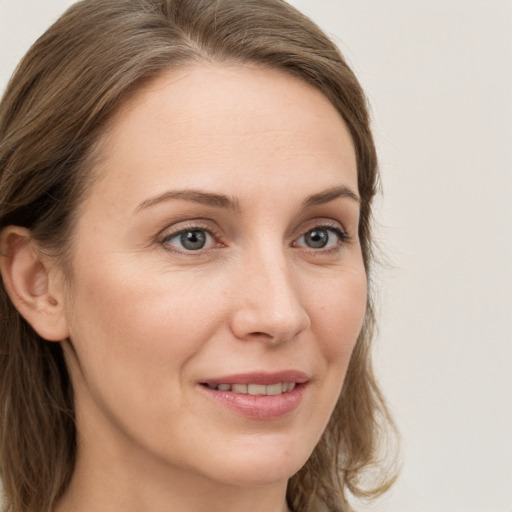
(164, 240)
(341, 234)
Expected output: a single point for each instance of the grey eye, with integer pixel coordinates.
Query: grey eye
(320, 238)
(193, 240)
(316, 238)
(190, 239)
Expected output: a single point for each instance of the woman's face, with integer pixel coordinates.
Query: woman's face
(217, 283)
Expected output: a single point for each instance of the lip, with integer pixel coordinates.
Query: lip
(258, 407)
(263, 378)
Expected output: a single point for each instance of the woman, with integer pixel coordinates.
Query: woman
(185, 206)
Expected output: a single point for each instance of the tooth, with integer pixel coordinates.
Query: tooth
(257, 389)
(274, 389)
(291, 386)
(224, 387)
(285, 387)
(239, 388)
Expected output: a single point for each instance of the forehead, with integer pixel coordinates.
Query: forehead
(225, 126)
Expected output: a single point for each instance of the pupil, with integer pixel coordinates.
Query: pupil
(193, 240)
(317, 238)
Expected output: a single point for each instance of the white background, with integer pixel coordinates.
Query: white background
(438, 74)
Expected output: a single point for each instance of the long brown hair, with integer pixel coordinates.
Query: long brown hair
(51, 118)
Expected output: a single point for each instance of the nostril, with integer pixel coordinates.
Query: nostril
(260, 334)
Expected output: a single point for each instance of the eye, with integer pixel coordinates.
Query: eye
(321, 237)
(190, 239)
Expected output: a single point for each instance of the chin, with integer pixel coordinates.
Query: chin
(260, 468)
(257, 476)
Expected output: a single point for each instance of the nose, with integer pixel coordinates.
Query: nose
(268, 305)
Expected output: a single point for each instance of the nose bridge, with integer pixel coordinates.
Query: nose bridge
(270, 305)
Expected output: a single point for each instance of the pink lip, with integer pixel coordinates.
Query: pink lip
(263, 378)
(260, 407)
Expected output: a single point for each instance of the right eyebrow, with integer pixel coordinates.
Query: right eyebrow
(194, 196)
(330, 195)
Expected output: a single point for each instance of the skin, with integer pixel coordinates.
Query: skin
(147, 320)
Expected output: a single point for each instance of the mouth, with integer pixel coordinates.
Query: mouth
(261, 396)
(254, 389)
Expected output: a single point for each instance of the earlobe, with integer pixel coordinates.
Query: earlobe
(30, 284)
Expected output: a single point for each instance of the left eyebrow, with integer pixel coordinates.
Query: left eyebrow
(329, 195)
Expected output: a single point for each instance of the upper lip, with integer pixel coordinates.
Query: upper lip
(263, 378)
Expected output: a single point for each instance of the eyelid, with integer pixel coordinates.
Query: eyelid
(193, 225)
(327, 224)
(213, 230)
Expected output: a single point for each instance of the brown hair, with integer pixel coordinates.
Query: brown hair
(51, 117)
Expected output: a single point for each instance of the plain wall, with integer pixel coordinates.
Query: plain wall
(439, 78)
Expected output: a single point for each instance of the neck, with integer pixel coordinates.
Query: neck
(109, 496)
(109, 481)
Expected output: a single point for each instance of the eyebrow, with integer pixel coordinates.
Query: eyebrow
(231, 203)
(193, 196)
(330, 195)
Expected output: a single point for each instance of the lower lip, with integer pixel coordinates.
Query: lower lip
(259, 407)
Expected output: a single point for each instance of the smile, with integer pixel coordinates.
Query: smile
(255, 389)
(258, 395)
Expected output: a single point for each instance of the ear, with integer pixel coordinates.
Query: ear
(33, 283)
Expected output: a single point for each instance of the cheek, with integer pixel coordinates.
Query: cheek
(140, 324)
(134, 336)
(340, 313)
